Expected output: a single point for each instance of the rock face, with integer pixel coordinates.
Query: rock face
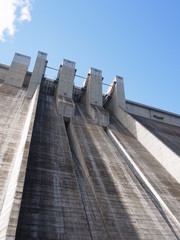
(92, 174)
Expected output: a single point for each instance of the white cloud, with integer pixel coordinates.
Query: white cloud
(25, 11)
(12, 11)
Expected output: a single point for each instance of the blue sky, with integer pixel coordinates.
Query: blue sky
(136, 39)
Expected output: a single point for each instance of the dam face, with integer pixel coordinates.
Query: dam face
(76, 164)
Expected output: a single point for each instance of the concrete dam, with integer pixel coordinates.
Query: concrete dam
(79, 164)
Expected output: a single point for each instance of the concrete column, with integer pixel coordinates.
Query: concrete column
(37, 74)
(66, 79)
(120, 93)
(116, 94)
(94, 87)
(93, 97)
(17, 70)
(64, 102)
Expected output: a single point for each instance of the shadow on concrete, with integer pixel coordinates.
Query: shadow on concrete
(168, 134)
(111, 209)
(161, 181)
(51, 205)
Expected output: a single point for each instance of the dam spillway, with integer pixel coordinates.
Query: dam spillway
(79, 165)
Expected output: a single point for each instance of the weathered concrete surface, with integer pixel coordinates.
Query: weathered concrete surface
(118, 92)
(94, 87)
(168, 158)
(168, 134)
(64, 91)
(48, 86)
(65, 77)
(51, 205)
(125, 207)
(88, 191)
(92, 98)
(152, 113)
(99, 115)
(149, 171)
(16, 119)
(17, 71)
(82, 182)
(3, 72)
(65, 107)
(27, 80)
(37, 74)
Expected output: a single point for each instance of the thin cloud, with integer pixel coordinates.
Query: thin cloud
(25, 11)
(12, 11)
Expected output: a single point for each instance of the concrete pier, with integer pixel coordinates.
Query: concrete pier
(93, 97)
(163, 153)
(116, 91)
(37, 74)
(17, 71)
(64, 92)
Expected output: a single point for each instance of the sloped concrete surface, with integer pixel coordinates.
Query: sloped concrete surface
(165, 186)
(126, 209)
(11, 120)
(16, 117)
(51, 206)
(67, 172)
(78, 186)
(167, 133)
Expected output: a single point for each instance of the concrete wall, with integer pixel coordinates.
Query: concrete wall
(157, 148)
(15, 134)
(122, 201)
(137, 108)
(52, 203)
(118, 91)
(66, 79)
(37, 74)
(64, 92)
(148, 170)
(27, 79)
(94, 87)
(153, 113)
(18, 123)
(17, 71)
(93, 97)
(3, 72)
(91, 191)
